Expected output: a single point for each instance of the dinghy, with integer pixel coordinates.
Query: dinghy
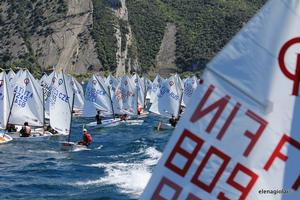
(167, 99)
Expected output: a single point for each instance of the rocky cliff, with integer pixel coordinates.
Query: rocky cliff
(119, 36)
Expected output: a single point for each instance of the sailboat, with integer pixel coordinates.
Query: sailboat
(126, 99)
(141, 87)
(27, 104)
(5, 101)
(167, 100)
(98, 98)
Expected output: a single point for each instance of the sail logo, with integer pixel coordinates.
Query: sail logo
(60, 81)
(26, 81)
(53, 80)
(295, 77)
(171, 83)
(110, 82)
(94, 82)
(1, 83)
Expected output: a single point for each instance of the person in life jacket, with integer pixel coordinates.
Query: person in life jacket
(123, 117)
(139, 109)
(25, 131)
(98, 118)
(173, 121)
(86, 138)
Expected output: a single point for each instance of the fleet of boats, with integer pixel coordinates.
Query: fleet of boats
(51, 102)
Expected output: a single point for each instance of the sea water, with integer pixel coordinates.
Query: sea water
(117, 165)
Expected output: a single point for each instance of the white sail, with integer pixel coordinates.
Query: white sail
(156, 84)
(60, 104)
(112, 82)
(5, 99)
(47, 84)
(11, 75)
(78, 90)
(28, 103)
(140, 87)
(239, 137)
(125, 98)
(96, 97)
(190, 85)
(168, 97)
(148, 86)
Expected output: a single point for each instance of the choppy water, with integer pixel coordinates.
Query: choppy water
(117, 165)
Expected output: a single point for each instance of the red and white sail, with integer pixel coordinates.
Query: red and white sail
(239, 137)
(125, 97)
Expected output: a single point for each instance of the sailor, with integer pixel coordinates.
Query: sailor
(51, 130)
(11, 128)
(123, 117)
(173, 121)
(98, 118)
(25, 131)
(86, 138)
(139, 109)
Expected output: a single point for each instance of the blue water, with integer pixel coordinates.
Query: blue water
(117, 165)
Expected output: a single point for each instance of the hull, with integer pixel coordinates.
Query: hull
(105, 123)
(133, 122)
(164, 126)
(72, 146)
(5, 139)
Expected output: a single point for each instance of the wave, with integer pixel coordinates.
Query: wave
(129, 178)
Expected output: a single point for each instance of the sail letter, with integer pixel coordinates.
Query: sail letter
(200, 111)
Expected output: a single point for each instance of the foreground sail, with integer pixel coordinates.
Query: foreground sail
(239, 137)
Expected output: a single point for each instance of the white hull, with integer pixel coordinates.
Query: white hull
(105, 123)
(164, 126)
(133, 122)
(71, 146)
(143, 115)
(35, 134)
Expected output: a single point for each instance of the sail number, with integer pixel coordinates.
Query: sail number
(22, 96)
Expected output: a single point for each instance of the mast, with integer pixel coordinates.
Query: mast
(145, 92)
(111, 102)
(10, 109)
(43, 109)
(71, 117)
(180, 100)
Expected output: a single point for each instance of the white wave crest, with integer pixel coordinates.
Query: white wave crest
(130, 178)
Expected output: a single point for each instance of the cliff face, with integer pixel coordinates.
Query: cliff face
(55, 34)
(117, 35)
